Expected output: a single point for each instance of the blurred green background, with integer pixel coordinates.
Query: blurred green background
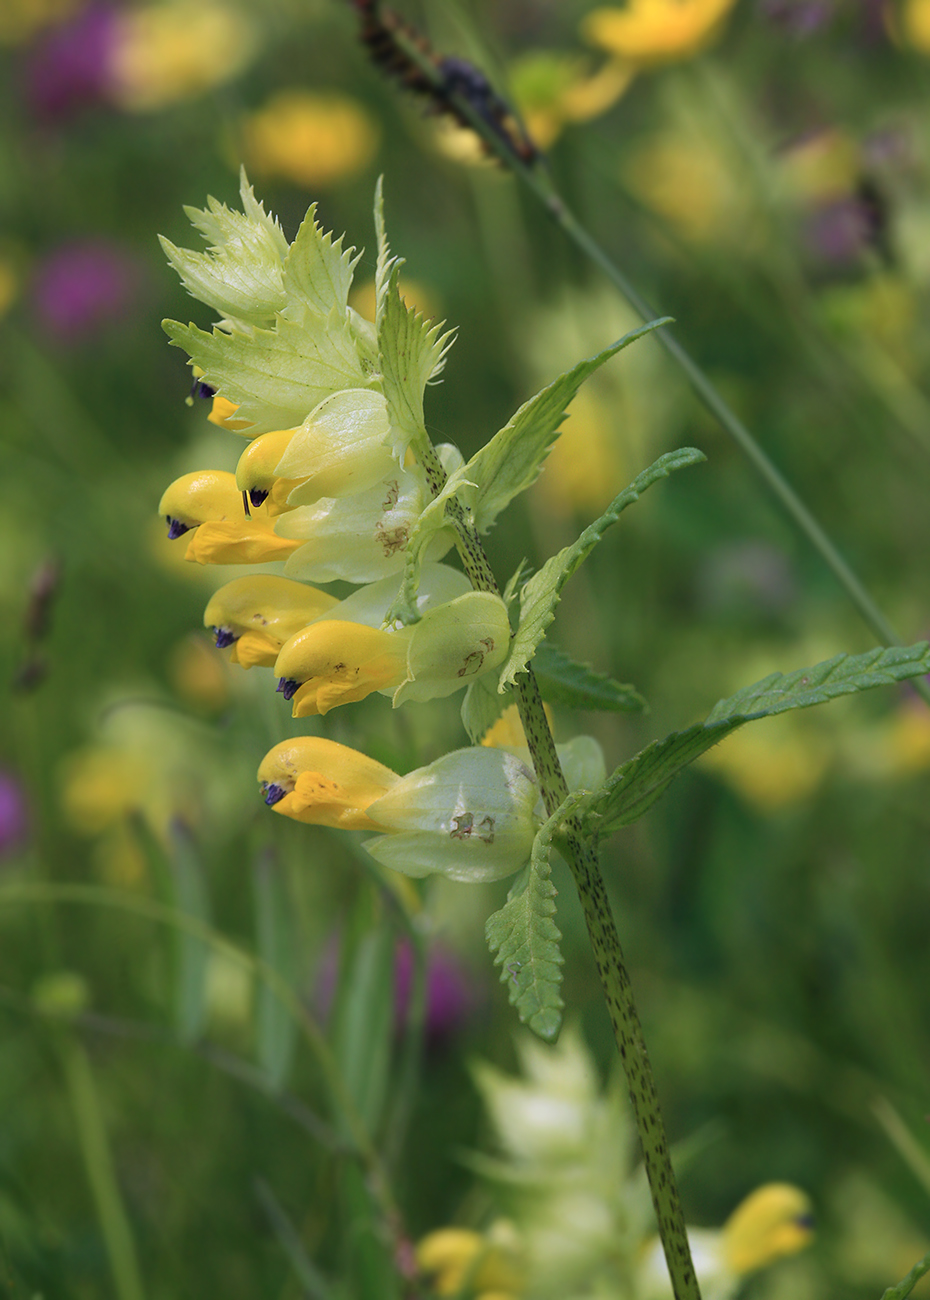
(771, 191)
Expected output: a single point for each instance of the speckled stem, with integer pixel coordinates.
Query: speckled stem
(605, 941)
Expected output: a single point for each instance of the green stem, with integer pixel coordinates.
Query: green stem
(541, 186)
(904, 1288)
(98, 1161)
(602, 930)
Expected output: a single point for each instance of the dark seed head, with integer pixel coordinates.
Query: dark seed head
(287, 686)
(273, 793)
(257, 496)
(223, 637)
(176, 529)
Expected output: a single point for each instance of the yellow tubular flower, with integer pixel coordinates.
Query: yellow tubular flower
(309, 139)
(773, 1221)
(323, 783)
(223, 414)
(257, 615)
(332, 663)
(194, 498)
(652, 31)
(255, 472)
(455, 1257)
(210, 502)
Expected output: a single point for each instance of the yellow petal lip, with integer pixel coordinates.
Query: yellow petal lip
(258, 614)
(238, 541)
(773, 1221)
(193, 499)
(332, 663)
(322, 783)
(223, 414)
(255, 472)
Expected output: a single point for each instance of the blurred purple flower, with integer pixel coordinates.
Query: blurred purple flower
(70, 67)
(838, 232)
(14, 818)
(800, 18)
(450, 997)
(84, 286)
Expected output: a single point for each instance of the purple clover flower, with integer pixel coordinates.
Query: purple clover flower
(70, 68)
(82, 287)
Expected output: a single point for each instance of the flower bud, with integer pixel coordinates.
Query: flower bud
(323, 783)
(342, 447)
(469, 816)
(256, 615)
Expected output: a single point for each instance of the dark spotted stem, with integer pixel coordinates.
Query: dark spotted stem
(605, 941)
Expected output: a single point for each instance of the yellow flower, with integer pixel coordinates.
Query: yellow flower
(454, 1258)
(310, 139)
(773, 1221)
(685, 180)
(209, 504)
(166, 52)
(776, 764)
(553, 90)
(255, 472)
(911, 24)
(323, 783)
(223, 413)
(654, 31)
(8, 285)
(336, 662)
(198, 674)
(256, 615)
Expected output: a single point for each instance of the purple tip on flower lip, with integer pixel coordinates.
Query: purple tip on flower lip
(176, 529)
(288, 687)
(203, 390)
(273, 793)
(223, 637)
(257, 496)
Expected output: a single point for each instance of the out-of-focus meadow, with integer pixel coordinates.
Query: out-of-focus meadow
(764, 180)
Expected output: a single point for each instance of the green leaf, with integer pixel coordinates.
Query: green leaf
(277, 376)
(482, 706)
(512, 460)
(543, 591)
(563, 681)
(276, 1029)
(192, 954)
(636, 785)
(412, 350)
(317, 271)
(241, 275)
(525, 938)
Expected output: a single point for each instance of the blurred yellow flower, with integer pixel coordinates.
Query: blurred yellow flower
(310, 139)
(553, 90)
(685, 180)
(822, 167)
(586, 464)
(773, 764)
(198, 674)
(8, 286)
(458, 1258)
(414, 293)
(20, 19)
(167, 52)
(910, 23)
(773, 1221)
(653, 31)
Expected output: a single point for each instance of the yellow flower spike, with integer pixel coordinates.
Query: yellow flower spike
(323, 783)
(256, 615)
(653, 31)
(255, 472)
(223, 414)
(331, 663)
(773, 1221)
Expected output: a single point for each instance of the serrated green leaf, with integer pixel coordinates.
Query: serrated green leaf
(241, 275)
(276, 377)
(317, 271)
(636, 785)
(525, 938)
(482, 706)
(412, 350)
(513, 583)
(512, 460)
(563, 681)
(542, 592)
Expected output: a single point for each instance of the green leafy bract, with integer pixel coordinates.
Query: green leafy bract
(543, 591)
(636, 785)
(276, 377)
(482, 706)
(317, 271)
(525, 938)
(577, 686)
